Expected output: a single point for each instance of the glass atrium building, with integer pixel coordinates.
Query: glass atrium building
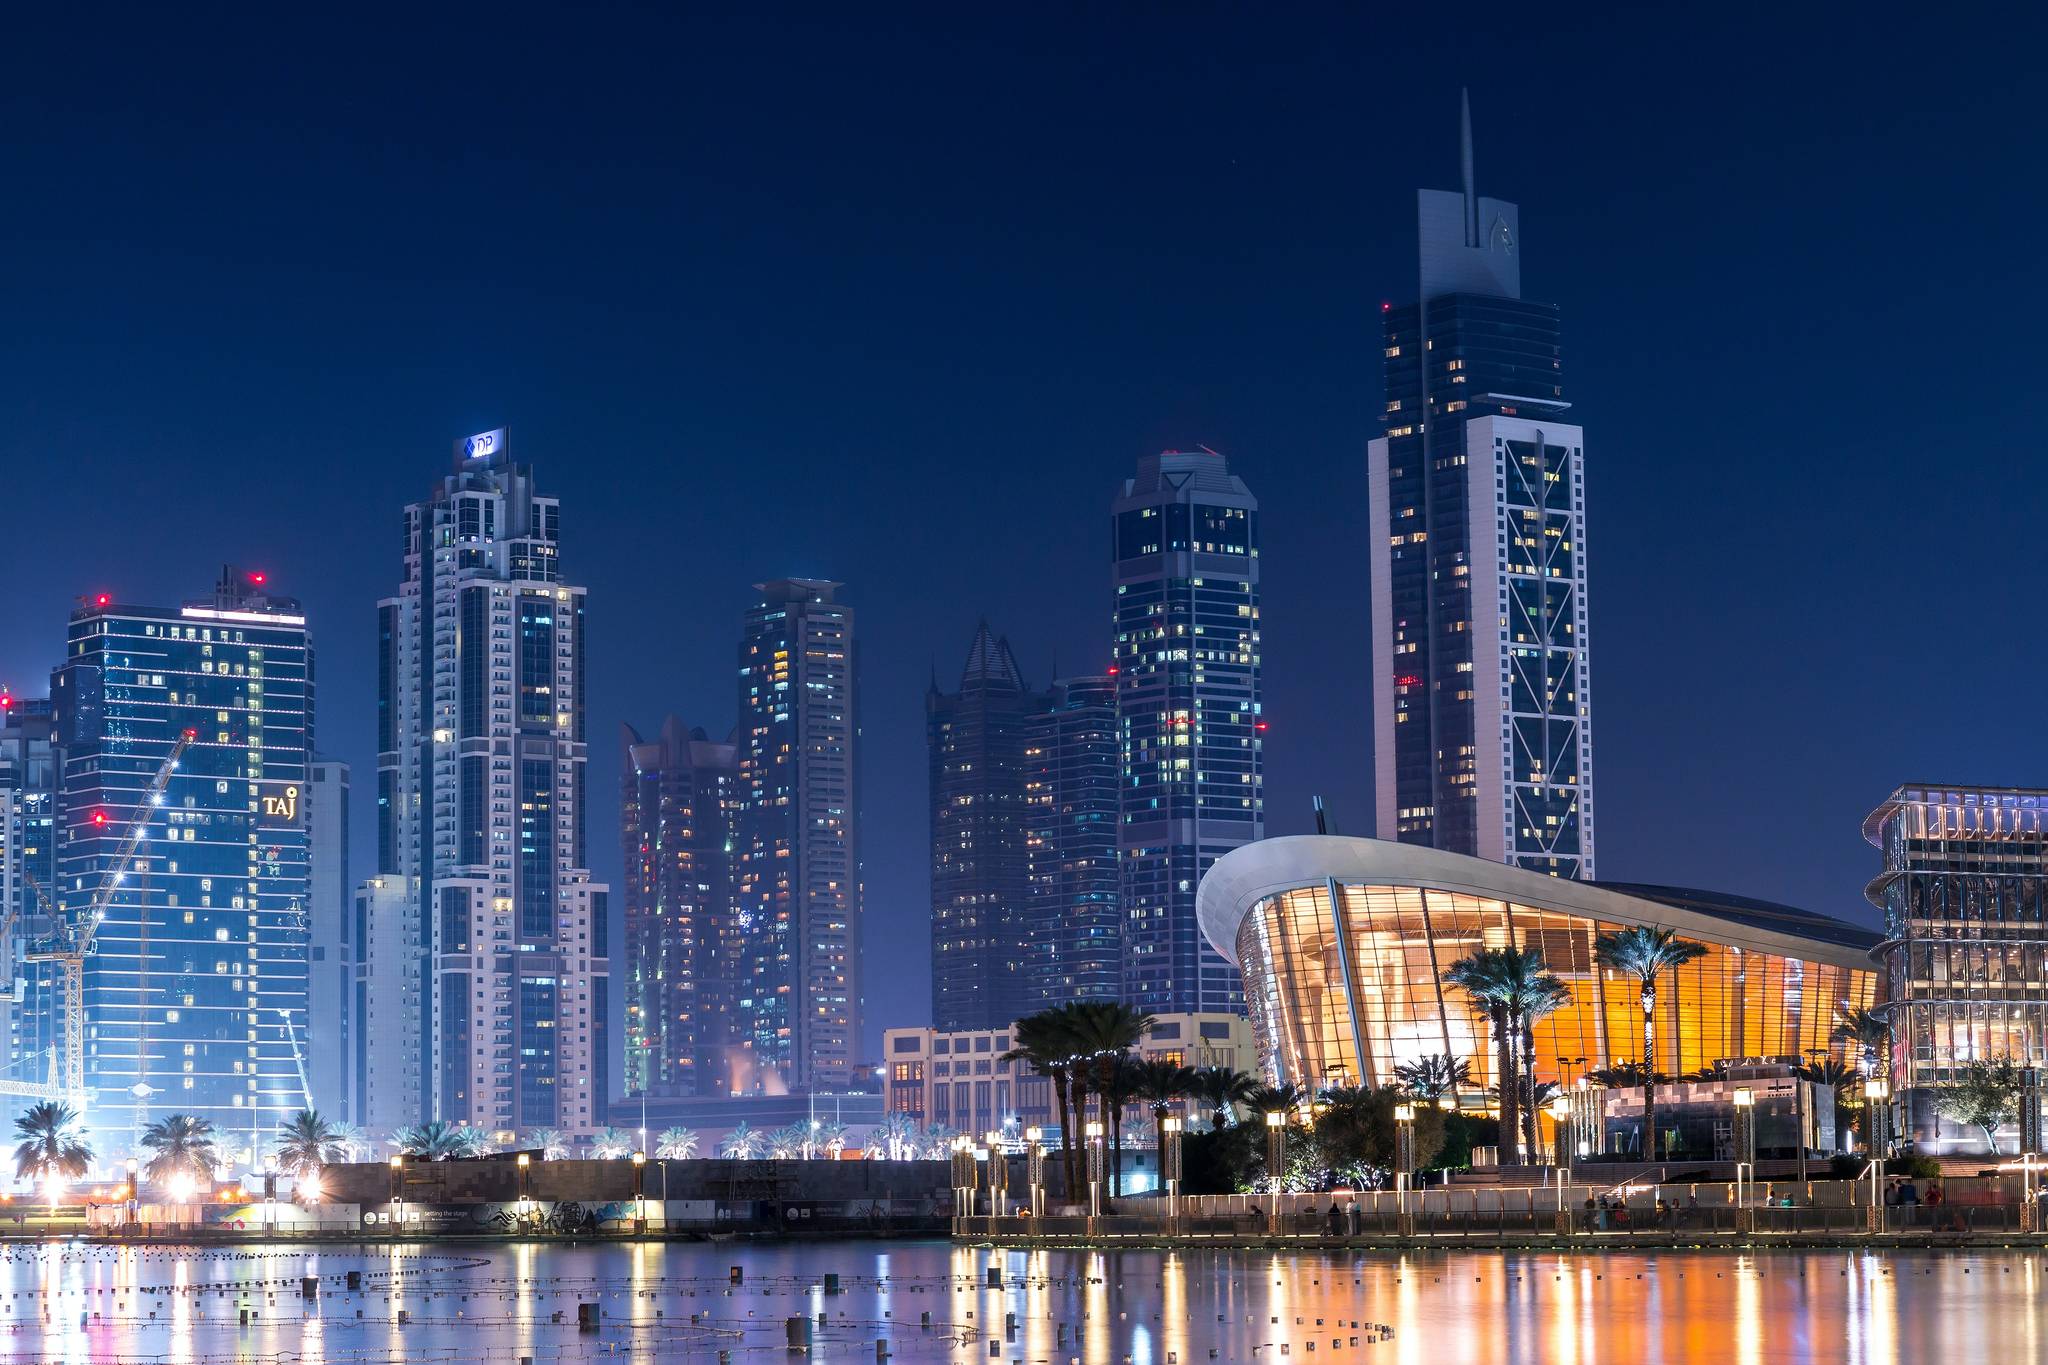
(1343, 944)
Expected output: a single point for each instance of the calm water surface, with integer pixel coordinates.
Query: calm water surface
(62, 1302)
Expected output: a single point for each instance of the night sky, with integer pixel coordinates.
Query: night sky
(899, 300)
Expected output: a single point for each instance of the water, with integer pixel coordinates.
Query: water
(497, 1304)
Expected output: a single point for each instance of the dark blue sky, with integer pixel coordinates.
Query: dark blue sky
(898, 300)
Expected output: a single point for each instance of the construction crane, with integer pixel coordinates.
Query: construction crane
(71, 941)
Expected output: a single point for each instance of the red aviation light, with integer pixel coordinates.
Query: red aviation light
(257, 579)
(102, 600)
(6, 701)
(1260, 726)
(99, 817)
(191, 734)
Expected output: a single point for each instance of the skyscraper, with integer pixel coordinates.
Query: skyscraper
(195, 985)
(1074, 922)
(28, 873)
(497, 963)
(980, 876)
(682, 958)
(1482, 706)
(797, 844)
(1186, 579)
(330, 958)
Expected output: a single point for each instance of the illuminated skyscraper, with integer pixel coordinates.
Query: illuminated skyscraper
(1074, 923)
(487, 955)
(195, 981)
(28, 862)
(1186, 580)
(1482, 703)
(682, 962)
(796, 852)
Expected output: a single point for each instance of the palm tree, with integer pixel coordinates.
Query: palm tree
(611, 1144)
(1645, 953)
(1869, 1030)
(1041, 1043)
(1222, 1089)
(1501, 981)
(183, 1146)
(354, 1142)
(50, 1145)
(742, 1142)
(1120, 1087)
(894, 1138)
(1620, 1076)
(1275, 1099)
(1537, 997)
(1103, 1031)
(676, 1144)
(1434, 1077)
(1160, 1082)
(439, 1140)
(307, 1142)
(551, 1143)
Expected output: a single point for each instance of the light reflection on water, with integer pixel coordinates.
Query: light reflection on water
(85, 1305)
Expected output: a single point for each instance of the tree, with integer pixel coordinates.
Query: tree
(1869, 1030)
(742, 1142)
(676, 1144)
(1222, 1089)
(1101, 1033)
(551, 1143)
(1983, 1095)
(439, 1140)
(354, 1142)
(611, 1144)
(50, 1143)
(894, 1138)
(1275, 1099)
(1645, 954)
(1043, 1042)
(1505, 983)
(1535, 998)
(1119, 1088)
(1434, 1077)
(306, 1142)
(183, 1146)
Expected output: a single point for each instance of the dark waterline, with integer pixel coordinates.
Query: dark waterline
(498, 1303)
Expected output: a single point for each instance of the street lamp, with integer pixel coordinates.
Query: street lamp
(134, 1192)
(1034, 1168)
(1745, 1144)
(1276, 1162)
(525, 1165)
(1404, 1160)
(270, 1194)
(397, 1193)
(639, 1193)
(1169, 1162)
(1095, 1164)
(998, 1175)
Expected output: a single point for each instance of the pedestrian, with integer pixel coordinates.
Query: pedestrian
(1589, 1213)
(1604, 1213)
(1336, 1219)
(1354, 1217)
(1692, 1206)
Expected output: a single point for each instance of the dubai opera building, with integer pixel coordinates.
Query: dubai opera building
(1343, 944)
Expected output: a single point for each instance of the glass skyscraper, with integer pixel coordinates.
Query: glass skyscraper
(195, 988)
(980, 872)
(28, 862)
(1074, 923)
(1186, 616)
(682, 955)
(796, 850)
(1482, 704)
(485, 937)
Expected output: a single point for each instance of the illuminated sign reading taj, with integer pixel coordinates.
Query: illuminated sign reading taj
(483, 445)
(278, 806)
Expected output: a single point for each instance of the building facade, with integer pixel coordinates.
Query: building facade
(980, 876)
(330, 1044)
(28, 876)
(682, 951)
(1073, 947)
(1186, 620)
(1482, 696)
(195, 983)
(1344, 944)
(959, 1080)
(1964, 891)
(504, 964)
(796, 848)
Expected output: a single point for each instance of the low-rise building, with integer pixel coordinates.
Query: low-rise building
(960, 1080)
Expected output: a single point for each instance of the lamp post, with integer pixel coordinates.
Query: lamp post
(998, 1175)
(1169, 1163)
(1877, 1094)
(1093, 1133)
(270, 1194)
(1276, 1162)
(1404, 1162)
(397, 1193)
(639, 1193)
(1034, 1168)
(134, 1193)
(1745, 1150)
(525, 1165)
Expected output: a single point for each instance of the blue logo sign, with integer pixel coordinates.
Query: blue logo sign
(484, 444)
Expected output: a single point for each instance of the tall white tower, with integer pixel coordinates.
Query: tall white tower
(499, 963)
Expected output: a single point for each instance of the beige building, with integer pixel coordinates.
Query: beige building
(960, 1081)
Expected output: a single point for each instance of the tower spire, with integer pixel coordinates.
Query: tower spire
(1465, 164)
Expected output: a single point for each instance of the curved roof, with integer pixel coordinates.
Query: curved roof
(1245, 876)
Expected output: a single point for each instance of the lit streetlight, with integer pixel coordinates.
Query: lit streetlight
(1034, 1168)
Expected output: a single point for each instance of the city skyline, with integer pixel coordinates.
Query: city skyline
(1251, 327)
